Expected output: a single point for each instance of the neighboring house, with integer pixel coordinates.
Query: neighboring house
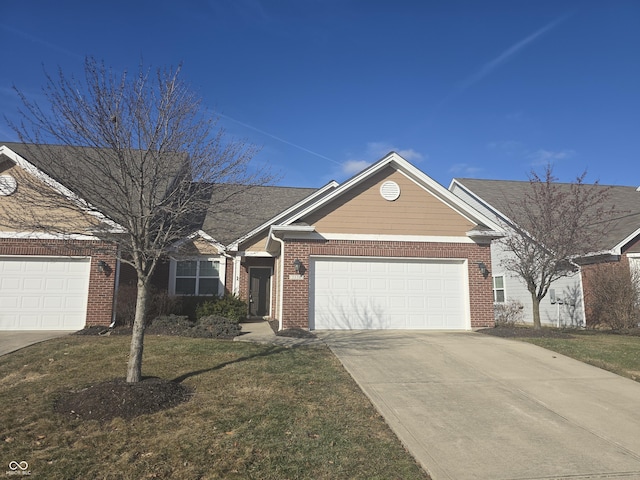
(48, 281)
(389, 248)
(568, 300)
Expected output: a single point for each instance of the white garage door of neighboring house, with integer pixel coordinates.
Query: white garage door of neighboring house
(371, 293)
(38, 293)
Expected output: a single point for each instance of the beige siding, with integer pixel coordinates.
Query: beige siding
(363, 211)
(35, 204)
(255, 244)
(198, 246)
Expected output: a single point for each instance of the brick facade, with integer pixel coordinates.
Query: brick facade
(101, 285)
(295, 309)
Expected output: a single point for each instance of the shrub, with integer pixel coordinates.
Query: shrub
(614, 297)
(159, 303)
(229, 306)
(508, 314)
(214, 326)
(171, 320)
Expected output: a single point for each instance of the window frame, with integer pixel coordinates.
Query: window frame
(503, 289)
(173, 276)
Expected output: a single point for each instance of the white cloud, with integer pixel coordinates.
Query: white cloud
(464, 169)
(351, 167)
(542, 156)
(373, 152)
(507, 146)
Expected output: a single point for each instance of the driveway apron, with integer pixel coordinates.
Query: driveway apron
(12, 340)
(471, 406)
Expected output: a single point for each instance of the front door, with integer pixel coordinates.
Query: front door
(259, 291)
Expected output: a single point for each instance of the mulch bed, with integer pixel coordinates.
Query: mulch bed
(290, 332)
(117, 398)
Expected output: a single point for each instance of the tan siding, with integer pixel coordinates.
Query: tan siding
(32, 204)
(364, 211)
(256, 244)
(198, 247)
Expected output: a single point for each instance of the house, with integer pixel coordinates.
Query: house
(389, 248)
(47, 280)
(568, 301)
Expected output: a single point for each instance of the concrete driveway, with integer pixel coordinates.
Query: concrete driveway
(13, 340)
(471, 406)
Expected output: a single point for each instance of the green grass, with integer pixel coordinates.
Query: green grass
(617, 353)
(258, 412)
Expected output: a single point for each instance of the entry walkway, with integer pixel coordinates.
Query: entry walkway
(471, 406)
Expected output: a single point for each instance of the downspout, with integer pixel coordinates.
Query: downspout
(281, 282)
(114, 304)
(234, 284)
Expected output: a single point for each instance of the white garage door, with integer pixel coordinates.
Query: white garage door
(43, 293)
(358, 294)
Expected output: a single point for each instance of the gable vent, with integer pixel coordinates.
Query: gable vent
(8, 185)
(390, 191)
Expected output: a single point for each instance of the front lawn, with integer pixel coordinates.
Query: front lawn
(257, 412)
(610, 351)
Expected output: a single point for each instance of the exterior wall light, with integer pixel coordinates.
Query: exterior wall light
(297, 265)
(483, 269)
(102, 266)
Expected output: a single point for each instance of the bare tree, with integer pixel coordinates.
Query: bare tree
(141, 157)
(553, 224)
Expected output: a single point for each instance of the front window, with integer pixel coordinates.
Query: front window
(197, 277)
(498, 289)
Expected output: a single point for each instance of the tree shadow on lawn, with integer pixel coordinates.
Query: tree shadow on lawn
(117, 398)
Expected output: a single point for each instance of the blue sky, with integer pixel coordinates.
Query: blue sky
(487, 89)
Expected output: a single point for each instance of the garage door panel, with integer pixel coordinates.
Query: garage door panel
(43, 293)
(396, 294)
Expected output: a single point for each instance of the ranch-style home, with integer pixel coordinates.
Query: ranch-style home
(389, 248)
(569, 300)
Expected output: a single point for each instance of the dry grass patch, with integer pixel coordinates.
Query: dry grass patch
(262, 412)
(616, 353)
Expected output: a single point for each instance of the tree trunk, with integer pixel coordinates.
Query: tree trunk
(536, 312)
(134, 368)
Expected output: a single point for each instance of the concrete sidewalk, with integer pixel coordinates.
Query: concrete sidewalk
(471, 406)
(12, 340)
(261, 332)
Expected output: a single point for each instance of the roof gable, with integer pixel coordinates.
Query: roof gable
(500, 195)
(78, 217)
(429, 201)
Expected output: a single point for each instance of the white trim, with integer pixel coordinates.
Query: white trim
(633, 255)
(85, 206)
(395, 238)
(331, 185)
(222, 266)
(618, 247)
(254, 253)
(202, 234)
(419, 177)
(235, 281)
(280, 262)
(504, 287)
(44, 257)
(46, 236)
(270, 287)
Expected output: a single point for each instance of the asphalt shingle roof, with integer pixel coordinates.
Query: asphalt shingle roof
(236, 210)
(502, 194)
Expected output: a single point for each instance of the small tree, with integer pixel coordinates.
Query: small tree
(553, 223)
(140, 150)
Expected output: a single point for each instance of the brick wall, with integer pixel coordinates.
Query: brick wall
(296, 292)
(101, 285)
(590, 272)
